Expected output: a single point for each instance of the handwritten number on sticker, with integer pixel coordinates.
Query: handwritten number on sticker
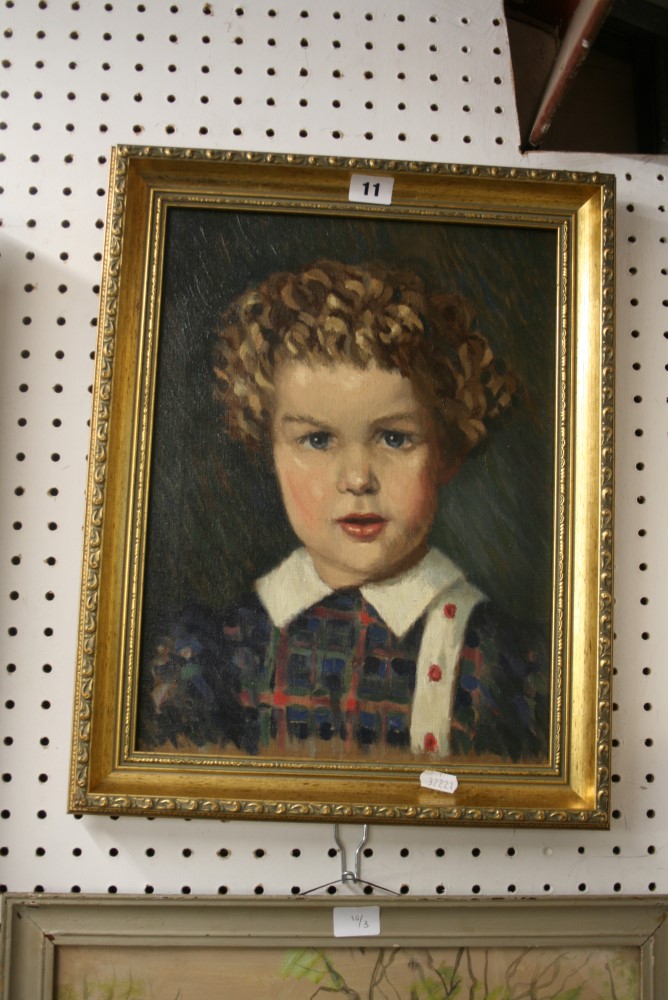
(356, 921)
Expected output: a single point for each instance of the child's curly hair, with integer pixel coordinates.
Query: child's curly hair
(362, 315)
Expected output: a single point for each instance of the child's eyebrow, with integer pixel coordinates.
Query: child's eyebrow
(299, 418)
(389, 418)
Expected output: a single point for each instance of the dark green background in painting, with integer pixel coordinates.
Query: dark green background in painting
(215, 517)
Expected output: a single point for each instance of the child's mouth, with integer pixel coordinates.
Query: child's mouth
(364, 527)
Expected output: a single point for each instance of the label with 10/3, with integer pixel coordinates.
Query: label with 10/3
(356, 921)
(371, 189)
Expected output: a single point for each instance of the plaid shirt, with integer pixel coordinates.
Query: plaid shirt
(337, 672)
(335, 681)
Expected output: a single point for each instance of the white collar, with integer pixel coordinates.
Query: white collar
(294, 585)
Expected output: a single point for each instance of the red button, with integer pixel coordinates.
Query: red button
(430, 742)
(450, 610)
(435, 672)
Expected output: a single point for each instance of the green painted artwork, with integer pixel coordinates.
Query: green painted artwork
(530, 973)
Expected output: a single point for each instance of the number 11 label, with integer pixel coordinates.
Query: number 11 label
(371, 188)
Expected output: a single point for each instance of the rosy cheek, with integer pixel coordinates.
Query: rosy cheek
(303, 495)
(417, 496)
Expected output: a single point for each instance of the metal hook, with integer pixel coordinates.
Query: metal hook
(346, 874)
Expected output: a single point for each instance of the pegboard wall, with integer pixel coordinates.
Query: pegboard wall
(418, 79)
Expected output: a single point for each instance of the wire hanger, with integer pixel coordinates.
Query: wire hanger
(348, 876)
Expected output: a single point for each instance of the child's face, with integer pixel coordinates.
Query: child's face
(359, 468)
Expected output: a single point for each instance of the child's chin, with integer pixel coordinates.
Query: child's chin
(342, 576)
(374, 572)
(358, 563)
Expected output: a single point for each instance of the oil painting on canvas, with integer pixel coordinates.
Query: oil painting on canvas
(350, 531)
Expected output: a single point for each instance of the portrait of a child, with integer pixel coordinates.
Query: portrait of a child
(364, 392)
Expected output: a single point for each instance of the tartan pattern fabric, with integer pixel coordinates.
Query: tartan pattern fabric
(337, 681)
(502, 698)
(336, 673)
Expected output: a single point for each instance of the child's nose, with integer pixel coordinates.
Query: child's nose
(356, 474)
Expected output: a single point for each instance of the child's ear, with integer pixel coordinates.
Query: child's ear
(447, 469)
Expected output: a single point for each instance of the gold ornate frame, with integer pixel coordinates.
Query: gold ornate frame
(108, 773)
(71, 943)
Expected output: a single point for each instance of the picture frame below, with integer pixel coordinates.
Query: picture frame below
(348, 543)
(94, 946)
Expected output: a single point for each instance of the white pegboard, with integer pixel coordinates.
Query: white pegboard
(425, 80)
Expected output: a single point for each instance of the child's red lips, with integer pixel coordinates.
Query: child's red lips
(364, 527)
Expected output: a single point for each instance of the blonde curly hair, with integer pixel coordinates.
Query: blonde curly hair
(362, 315)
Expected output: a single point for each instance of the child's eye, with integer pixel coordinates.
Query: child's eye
(396, 439)
(320, 440)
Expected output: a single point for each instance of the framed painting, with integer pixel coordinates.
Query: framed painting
(348, 530)
(108, 948)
